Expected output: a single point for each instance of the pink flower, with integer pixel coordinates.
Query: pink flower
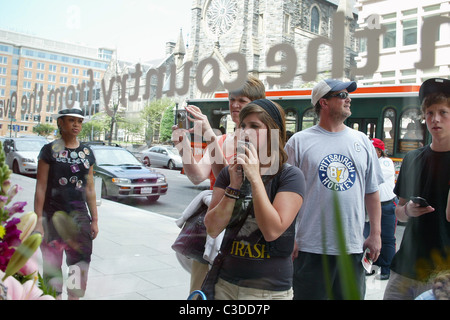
(31, 266)
(27, 291)
(12, 235)
(5, 255)
(17, 207)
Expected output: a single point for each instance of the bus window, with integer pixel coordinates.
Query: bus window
(309, 119)
(411, 131)
(368, 126)
(389, 116)
(291, 121)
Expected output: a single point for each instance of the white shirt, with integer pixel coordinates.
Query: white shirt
(387, 188)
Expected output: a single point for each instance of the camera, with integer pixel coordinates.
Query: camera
(240, 146)
(182, 119)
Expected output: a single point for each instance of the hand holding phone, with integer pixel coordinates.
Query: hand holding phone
(421, 201)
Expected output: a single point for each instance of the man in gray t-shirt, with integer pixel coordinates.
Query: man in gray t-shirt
(336, 161)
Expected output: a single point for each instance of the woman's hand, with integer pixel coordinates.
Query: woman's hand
(236, 175)
(250, 162)
(195, 114)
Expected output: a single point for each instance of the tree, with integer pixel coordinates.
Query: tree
(165, 131)
(93, 127)
(43, 129)
(153, 113)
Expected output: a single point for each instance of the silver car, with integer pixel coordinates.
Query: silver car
(22, 153)
(162, 156)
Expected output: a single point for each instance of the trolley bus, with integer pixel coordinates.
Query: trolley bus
(390, 113)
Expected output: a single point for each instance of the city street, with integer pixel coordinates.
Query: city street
(180, 193)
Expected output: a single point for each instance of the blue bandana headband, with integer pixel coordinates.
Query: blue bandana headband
(272, 110)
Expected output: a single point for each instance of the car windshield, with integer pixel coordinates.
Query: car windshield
(173, 150)
(114, 157)
(29, 145)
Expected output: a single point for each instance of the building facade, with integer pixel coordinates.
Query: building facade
(403, 47)
(40, 76)
(253, 28)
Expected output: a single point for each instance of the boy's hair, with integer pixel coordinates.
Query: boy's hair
(253, 89)
(434, 98)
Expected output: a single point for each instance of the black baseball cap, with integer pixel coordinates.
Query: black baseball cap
(434, 85)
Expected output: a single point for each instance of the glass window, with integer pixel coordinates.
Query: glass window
(291, 121)
(309, 119)
(409, 32)
(315, 20)
(389, 37)
(389, 117)
(412, 128)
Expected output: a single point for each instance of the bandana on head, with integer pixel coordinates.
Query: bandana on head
(272, 110)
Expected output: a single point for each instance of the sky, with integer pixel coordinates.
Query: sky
(138, 29)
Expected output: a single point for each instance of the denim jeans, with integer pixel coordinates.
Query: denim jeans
(388, 241)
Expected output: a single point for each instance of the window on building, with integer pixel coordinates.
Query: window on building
(315, 20)
(28, 74)
(287, 23)
(409, 32)
(389, 38)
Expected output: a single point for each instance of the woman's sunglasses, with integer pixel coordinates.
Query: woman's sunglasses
(341, 95)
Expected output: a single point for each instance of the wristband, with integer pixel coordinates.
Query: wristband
(231, 196)
(233, 192)
(406, 211)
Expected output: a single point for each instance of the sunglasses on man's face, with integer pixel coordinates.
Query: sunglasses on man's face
(341, 95)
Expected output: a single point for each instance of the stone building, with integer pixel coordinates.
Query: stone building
(253, 27)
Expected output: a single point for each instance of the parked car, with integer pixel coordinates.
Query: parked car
(22, 153)
(123, 175)
(162, 156)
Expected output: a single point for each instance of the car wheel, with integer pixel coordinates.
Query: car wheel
(16, 167)
(152, 198)
(147, 160)
(171, 165)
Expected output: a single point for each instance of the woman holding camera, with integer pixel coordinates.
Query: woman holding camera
(257, 263)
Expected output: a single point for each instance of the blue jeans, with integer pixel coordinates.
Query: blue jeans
(388, 242)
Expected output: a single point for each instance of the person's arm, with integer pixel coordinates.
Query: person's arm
(407, 209)
(274, 219)
(197, 172)
(373, 241)
(213, 158)
(39, 195)
(91, 201)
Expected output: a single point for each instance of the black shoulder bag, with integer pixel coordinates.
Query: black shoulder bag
(211, 278)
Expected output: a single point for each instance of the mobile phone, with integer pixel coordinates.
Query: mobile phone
(421, 201)
(182, 119)
(240, 146)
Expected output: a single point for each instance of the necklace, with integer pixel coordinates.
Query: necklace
(73, 154)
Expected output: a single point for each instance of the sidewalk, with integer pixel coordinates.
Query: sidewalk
(133, 259)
